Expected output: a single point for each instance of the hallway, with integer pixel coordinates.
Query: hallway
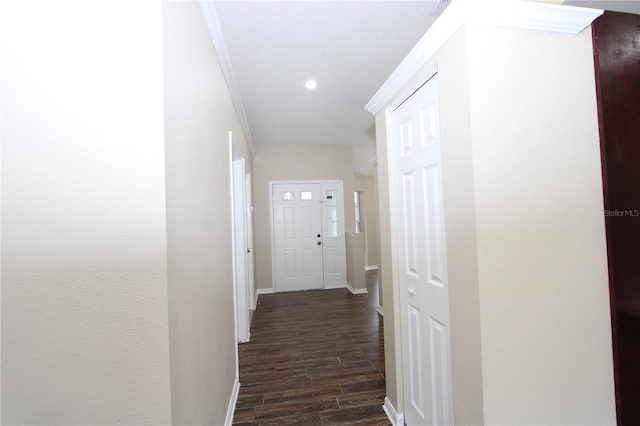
(315, 358)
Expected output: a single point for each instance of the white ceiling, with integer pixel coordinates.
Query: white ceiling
(348, 47)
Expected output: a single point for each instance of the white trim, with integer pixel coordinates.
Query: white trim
(371, 268)
(356, 290)
(236, 385)
(228, 421)
(272, 239)
(334, 287)
(502, 13)
(265, 291)
(396, 419)
(239, 222)
(233, 239)
(213, 24)
(250, 237)
(420, 80)
(380, 310)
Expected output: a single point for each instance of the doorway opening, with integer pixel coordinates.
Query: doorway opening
(308, 236)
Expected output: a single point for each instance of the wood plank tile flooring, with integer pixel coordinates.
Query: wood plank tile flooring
(315, 358)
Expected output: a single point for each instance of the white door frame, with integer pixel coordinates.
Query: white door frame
(324, 184)
(253, 299)
(239, 241)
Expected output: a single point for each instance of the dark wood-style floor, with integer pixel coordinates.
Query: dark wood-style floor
(315, 358)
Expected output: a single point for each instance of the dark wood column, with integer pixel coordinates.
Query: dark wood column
(616, 38)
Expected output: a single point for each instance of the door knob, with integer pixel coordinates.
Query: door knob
(411, 291)
(318, 235)
(319, 243)
(248, 250)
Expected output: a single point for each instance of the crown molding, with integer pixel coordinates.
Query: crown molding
(213, 24)
(527, 15)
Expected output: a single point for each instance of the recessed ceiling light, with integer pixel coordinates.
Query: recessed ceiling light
(310, 84)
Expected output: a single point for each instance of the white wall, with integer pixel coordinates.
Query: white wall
(459, 197)
(198, 115)
(84, 269)
(388, 266)
(355, 261)
(542, 262)
(93, 251)
(295, 162)
(364, 153)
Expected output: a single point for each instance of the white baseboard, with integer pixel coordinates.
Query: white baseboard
(371, 268)
(334, 286)
(232, 402)
(395, 418)
(347, 286)
(356, 290)
(380, 310)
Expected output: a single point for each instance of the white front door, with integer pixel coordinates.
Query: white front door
(297, 236)
(424, 294)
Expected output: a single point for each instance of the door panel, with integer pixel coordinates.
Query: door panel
(422, 254)
(435, 226)
(288, 231)
(289, 263)
(297, 222)
(332, 260)
(307, 217)
(438, 339)
(409, 206)
(417, 379)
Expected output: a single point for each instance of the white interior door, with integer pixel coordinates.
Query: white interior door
(240, 259)
(249, 220)
(422, 260)
(297, 236)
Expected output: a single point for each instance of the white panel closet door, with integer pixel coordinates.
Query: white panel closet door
(422, 260)
(297, 237)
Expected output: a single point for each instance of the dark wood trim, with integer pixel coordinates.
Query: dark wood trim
(617, 70)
